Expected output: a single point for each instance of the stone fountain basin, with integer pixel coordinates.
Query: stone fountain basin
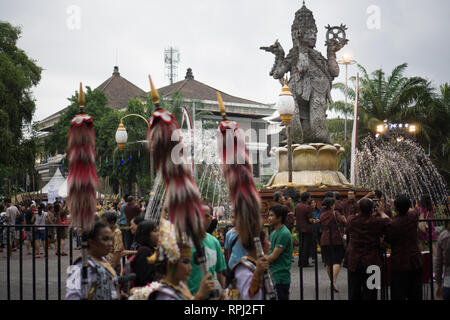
(310, 178)
(313, 164)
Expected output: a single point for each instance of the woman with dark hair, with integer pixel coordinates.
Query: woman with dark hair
(147, 238)
(134, 222)
(118, 251)
(278, 197)
(102, 278)
(364, 248)
(331, 241)
(426, 211)
(173, 259)
(213, 224)
(61, 219)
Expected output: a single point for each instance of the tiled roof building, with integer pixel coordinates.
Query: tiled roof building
(196, 95)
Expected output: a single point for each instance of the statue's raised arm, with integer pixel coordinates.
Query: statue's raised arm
(279, 67)
(336, 40)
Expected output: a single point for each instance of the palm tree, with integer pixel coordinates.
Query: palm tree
(380, 98)
(433, 118)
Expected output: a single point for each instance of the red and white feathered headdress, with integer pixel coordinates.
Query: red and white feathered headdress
(183, 201)
(238, 174)
(82, 179)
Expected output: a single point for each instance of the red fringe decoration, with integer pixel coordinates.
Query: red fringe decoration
(239, 178)
(182, 195)
(82, 180)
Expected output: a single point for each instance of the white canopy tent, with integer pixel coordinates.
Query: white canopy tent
(63, 191)
(54, 184)
(52, 187)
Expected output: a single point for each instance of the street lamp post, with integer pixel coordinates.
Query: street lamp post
(286, 107)
(122, 138)
(346, 61)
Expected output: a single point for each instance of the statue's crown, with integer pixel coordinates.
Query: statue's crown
(304, 19)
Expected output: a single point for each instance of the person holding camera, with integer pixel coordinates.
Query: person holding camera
(406, 260)
(380, 200)
(364, 248)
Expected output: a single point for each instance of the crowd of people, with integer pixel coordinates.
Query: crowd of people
(45, 236)
(351, 234)
(354, 234)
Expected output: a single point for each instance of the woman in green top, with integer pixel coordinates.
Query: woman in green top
(280, 254)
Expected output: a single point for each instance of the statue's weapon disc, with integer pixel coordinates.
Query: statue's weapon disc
(336, 33)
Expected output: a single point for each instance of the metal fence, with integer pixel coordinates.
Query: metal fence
(427, 267)
(7, 230)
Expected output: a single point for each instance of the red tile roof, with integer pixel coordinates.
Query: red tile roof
(196, 90)
(119, 90)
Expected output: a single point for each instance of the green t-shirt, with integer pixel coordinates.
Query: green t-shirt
(215, 262)
(281, 268)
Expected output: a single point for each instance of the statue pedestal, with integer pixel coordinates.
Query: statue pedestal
(314, 165)
(309, 178)
(314, 170)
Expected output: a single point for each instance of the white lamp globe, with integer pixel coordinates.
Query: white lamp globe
(286, 104)
(121, 137)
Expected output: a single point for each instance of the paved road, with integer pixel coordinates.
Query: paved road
(27, 285)
(27, 274)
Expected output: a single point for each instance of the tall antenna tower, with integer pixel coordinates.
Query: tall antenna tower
(171, 59)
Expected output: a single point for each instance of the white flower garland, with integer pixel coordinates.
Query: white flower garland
(144, 292)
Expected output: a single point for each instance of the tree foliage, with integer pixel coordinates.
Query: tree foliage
(399, 99)
(121, 168)
(18, 75)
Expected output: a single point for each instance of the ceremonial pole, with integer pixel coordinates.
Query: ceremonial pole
(82, 180)
(183, 197)
(244, 197)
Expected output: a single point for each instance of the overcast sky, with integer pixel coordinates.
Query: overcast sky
(218, 39)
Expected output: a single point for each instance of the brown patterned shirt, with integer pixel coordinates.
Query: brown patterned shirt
(364, 247)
